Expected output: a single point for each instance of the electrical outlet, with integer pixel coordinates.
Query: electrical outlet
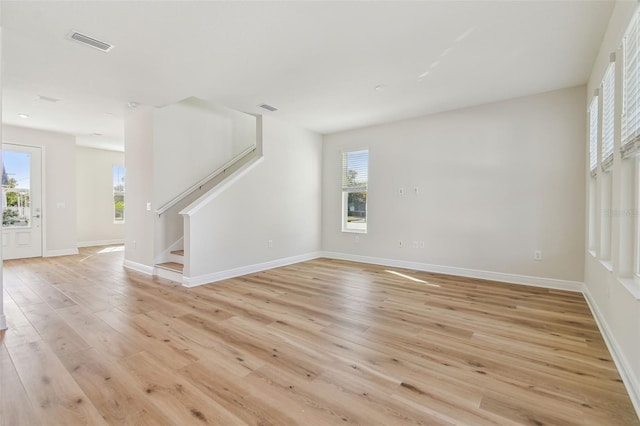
(401, 191)
(270, 243)
(537, 255)
(421, 244)
(416, 244)
(416, 191)
(400, 243)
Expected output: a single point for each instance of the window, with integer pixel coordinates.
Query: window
(593, 136)
(355, 177)
(608, 95)
(593, 169)
(630, 147)
(118, 194)
(16, 189)
(631, 86)
(605, 181)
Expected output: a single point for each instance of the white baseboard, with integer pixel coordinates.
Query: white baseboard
(244, 270)
(3, 322)
(449, 270)
(139, 267)
(64, 252)
(100, 243)
(461, 272)
(621, 362)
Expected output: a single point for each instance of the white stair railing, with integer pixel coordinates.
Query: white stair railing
(198, 185)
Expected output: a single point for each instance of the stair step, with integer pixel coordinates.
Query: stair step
(178, 252)
(171, 266)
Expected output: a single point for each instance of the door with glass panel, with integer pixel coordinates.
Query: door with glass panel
(21, 201)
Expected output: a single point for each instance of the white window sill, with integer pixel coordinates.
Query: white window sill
(354, 231)
(632, 285)
(592, 253)
(119, 222)
(607, 264)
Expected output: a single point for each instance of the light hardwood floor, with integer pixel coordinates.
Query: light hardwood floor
(317, 343)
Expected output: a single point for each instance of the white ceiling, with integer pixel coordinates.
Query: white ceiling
(318, 62)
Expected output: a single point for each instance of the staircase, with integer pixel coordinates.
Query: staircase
(173, 268)
(238, 146)
(170, 265)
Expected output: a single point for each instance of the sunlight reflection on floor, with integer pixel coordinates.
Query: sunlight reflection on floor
(411, 278)
(111, 249)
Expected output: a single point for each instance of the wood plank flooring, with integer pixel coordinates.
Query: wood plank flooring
(318, 343)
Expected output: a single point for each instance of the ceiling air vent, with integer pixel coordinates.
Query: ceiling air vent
(48, 98)
(268, 107)
(89, 41)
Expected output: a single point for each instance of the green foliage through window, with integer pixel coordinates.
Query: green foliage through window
(118, 193)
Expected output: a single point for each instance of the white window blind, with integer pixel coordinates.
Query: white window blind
(355, 171)
(593, 136)
(631, 88)
(608, 95)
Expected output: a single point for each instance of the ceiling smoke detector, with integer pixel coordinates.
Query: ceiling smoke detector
(268, 107)
(89, 41)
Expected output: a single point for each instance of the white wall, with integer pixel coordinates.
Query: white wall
(193, 138)
(279, 199)
(59, 189)
(613, 294)
(138, 157)
(94, 197)
(495, 182)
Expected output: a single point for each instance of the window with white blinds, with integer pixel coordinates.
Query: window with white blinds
(608, 95)
(355, 171)
(631, 88)
(593, 136)
(355, 180)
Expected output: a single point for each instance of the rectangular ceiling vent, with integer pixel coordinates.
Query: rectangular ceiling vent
(268, 107)
(89, 41)
(48, 98)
